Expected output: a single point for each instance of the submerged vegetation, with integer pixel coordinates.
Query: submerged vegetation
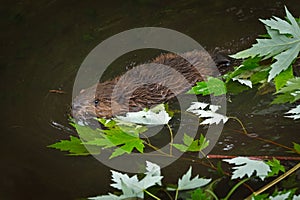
(121, 135)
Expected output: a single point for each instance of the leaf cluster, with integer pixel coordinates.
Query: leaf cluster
(122, 139)
(283, 44)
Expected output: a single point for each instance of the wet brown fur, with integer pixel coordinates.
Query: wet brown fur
(144, 87)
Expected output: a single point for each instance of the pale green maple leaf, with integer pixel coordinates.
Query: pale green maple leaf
(204, 110)
(296, 197)
(246, 167)
(243, 81)
(289, 93)
(132, 186)
(294, 113)
(153, 116)
(186, 183)
(280, 196)
(284, 44)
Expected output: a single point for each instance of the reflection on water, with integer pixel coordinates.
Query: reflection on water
(43, 45)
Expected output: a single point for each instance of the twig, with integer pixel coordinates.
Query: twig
(152, 195)
(254, 157)
(280, 178)
(268, 141)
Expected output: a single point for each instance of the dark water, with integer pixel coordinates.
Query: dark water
(42, 46)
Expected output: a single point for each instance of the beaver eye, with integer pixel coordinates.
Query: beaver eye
(96, 102)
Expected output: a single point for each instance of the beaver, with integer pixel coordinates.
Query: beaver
(147, 85)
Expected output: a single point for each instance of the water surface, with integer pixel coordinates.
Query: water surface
(43, 45)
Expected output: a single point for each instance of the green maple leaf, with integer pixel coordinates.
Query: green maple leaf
(213, 86)
(192, 145)
(289, 93)
(297, 147)
(276, 167)
(85, 132)
(283, 77)
(291, 86)
(125, 142)
(259, 197)
(284, 45)
(199, 194)
(74, 146)
(244, 70)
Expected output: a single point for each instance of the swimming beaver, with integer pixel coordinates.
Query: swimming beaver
(145, 85)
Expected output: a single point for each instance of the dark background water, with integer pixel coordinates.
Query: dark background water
(42, 46)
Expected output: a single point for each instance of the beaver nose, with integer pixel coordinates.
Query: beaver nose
(76, 106)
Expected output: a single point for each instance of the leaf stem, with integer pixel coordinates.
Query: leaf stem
(235, 187)
(269, 141)
(240, 122)
(152, 195)
(168, 194)
(176, 194)
(158, 150)
(171, 139)
(212, 194)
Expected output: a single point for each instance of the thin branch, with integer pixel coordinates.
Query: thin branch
(280, 178)
(152, 195)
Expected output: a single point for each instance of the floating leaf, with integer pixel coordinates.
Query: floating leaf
(283, 77)
(246, 167)
(280, 196)
(153, 116)
(276, 167)
(296, 147)
(260, 197)
(199, 194)
(245, 70)
(110, 197)
(289, 93)
(294, 113)
(283, 98)
(85, 132)
(192, 145)
(186, 183)
(74, 146)
(296, 197)
(244, 82)
(116, 137)
(284, 44)
(198, 108)
(153, 170)
(132, 186)
(234, 87)
(213, 86)
(260, 76)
